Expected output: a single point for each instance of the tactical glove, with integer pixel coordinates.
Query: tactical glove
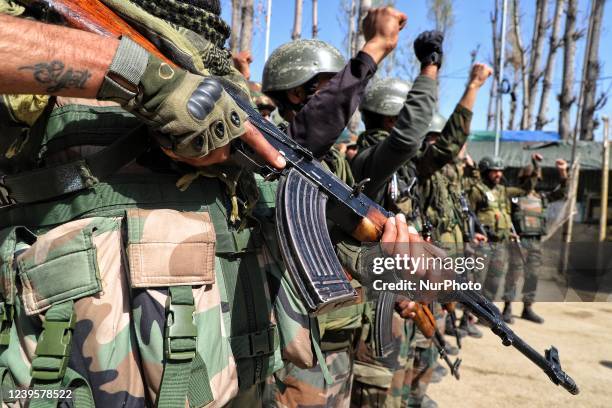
(428, 48)
(189, 114)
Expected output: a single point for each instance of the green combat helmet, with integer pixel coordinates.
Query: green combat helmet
(295, 63)
(437, 123)
(490, 163)
(385, 96)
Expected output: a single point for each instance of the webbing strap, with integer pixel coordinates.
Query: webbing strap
(6, 383)
(50, 182)
(185, 374)
(314, 335)
(255, 344)
(50, 366)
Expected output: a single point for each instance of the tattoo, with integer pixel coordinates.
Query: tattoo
(56, 76)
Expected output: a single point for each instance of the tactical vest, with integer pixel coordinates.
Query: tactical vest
(529, 215)
(441, 195)
(247, 316)
(495, 213)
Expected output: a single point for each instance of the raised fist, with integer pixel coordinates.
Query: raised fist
(479, 74)
(428, 48)
(381, 28)
(561, 167)
(536, 157)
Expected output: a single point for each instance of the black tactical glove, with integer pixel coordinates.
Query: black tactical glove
(189, 114)
(428, 48)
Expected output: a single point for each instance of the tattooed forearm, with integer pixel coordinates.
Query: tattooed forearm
(56, 76)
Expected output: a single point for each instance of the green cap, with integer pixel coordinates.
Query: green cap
(385, 96)
(295, 63)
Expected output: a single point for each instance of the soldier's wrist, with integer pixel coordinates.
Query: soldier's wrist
(121, 82)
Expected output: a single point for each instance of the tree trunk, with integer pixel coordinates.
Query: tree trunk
(352, 33)
(315, 19)
(297, 21)
(522, 62)
(246, 34)
(364, 7)
(495, 65)
(566, 99)
(553, 46)
(359, 41)
(535, 61)
(592, 68)
(513, 99)
(236, 26)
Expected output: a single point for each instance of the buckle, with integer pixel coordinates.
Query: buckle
(6, 319)
(180, 326)
(54, 343)
(260, 342)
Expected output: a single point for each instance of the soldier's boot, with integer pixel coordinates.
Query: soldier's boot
(428, 403)
(451, 350)
(449, 330)
(507, 313)
(438, 372)
(529, 314)
(469, 327)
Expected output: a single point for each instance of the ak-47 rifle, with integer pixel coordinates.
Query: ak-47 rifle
(307, 195)
(424, 321)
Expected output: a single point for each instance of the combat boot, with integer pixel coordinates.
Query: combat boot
(449, 330)
(507, 313)
(529, 314)
(469, 327)
(438, 373)
(428, 403)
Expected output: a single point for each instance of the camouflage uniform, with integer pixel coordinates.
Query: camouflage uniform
(529, 216)
(160, 295)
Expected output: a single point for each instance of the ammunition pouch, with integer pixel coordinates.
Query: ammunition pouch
(529, 216)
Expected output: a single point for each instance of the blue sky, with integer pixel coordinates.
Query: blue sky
(472, 28)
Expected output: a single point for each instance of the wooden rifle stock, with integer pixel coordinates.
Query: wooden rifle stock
(95, 17)
(425, 320)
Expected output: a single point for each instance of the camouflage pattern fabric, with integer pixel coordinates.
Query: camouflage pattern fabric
(496, 269)
(533, 253)
(418, 376)
(293, 387)
(379, 381)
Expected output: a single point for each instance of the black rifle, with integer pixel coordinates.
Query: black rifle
(490, 316)
(450, 309)
(440, 343)
(382, 331)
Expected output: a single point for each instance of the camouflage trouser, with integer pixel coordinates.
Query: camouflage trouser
(424, 355)
(497, 269)
(418, 375)
(379, 381)
(533, 256)
(293, 387)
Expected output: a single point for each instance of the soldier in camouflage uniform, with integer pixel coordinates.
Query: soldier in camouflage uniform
(127, 274)
(491, 199)
(529, 216)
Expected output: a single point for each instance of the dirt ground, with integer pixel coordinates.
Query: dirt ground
(496, 376)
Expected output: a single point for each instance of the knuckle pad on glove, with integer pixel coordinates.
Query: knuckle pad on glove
(204, 97)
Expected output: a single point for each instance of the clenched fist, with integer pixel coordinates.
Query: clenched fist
(428, 48)
(242, 61)
(381, 29)
(479, 74)
(561, 168)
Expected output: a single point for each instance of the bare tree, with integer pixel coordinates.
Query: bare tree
(315, 19)
(553, 45)
(535, 61)
(495, 64)
(567, 98)
(297, 21)
(352, 33)
(441, 13)
(520, 61)
(236, 25)
(246, 33)
(364, 7)
(515, 60)
(591, 73)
